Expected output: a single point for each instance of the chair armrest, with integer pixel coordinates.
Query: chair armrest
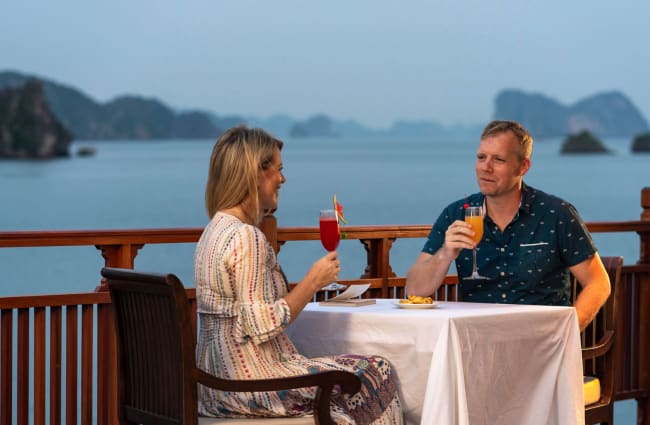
(325, 381)
(602, 346)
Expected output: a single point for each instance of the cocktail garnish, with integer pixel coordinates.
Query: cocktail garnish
(339, 210)
(339, 216)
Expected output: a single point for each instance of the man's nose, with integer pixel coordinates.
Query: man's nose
(485, 165)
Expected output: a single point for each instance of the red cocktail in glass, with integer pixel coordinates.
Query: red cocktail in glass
(329, 230)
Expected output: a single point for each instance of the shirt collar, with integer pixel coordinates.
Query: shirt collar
(527, 195)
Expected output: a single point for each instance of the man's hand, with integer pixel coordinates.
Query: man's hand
(457, 237)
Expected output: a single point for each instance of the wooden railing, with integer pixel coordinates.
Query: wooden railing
(54, 344)
(66, 315)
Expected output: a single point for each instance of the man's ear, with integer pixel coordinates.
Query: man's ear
(524, 167)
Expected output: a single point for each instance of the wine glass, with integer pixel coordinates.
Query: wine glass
(474, 216)
(330, 236)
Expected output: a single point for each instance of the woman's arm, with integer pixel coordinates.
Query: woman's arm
(324, 271)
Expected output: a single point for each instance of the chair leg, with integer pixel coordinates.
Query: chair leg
(600, 416)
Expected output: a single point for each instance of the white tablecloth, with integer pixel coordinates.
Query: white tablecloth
(462, 363)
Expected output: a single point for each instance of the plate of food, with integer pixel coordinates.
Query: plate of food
(416, 302)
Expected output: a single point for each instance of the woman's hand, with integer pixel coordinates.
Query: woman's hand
(324, 271)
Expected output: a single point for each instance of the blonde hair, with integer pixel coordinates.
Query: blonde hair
(237, 158)
(522, 135)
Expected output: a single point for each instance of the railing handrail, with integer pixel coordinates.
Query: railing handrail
(43, 238)
(35, 238)
(55, 300)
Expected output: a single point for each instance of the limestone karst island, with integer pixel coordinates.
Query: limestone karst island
(39, 118)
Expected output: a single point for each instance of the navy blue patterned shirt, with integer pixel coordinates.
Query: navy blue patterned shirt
(528, 262)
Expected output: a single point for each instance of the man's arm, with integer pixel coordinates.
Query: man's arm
(593, 278)
(427, 274)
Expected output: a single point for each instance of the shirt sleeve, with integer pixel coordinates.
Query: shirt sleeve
(576, 243)
(436, 237)
(261, 313)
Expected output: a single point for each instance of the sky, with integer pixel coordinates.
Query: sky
(372, 61)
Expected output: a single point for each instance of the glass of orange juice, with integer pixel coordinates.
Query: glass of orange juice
(474, 216)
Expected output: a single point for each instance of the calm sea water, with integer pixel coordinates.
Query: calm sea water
(379, 181)
(132, 184)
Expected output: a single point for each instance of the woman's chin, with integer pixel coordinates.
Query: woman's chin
(270, 208)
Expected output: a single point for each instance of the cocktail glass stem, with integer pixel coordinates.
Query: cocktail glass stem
(475, 274)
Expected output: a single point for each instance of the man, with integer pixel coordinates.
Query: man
(531, 241)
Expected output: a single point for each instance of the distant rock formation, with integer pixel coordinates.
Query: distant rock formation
(316, 126)
(608, 114)
(135, 117)
(416, 128)
(583, 142)
(641, 143)
(85, 151)
(279, 125)
(28, 129)
(125, 117)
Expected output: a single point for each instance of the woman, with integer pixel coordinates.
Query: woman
(244, 304)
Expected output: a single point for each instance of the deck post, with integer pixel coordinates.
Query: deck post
(378, 255)
(114, 256)
(106, 367)
(122, 256)
(269, 227)
(643, 403)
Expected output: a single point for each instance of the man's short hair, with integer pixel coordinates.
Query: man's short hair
(522, 135)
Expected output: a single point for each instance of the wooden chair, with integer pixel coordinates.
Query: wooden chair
(157, 373)
(599, 348)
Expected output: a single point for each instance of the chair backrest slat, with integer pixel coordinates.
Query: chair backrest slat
(155, 346)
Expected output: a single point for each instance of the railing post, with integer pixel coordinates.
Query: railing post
(644, 257)
(114, 256)
(106, 367)
(122, 256)
(269, 227)
(644, 314)
(378, 253)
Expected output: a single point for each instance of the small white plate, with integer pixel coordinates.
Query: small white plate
(415, 306)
